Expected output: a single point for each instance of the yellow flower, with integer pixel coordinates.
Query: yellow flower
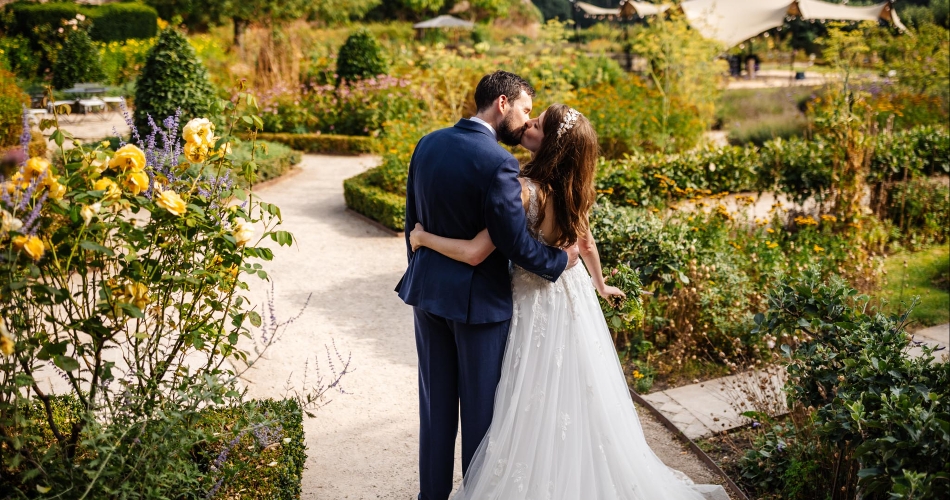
(112, 191)
(170, 201)
(196, 153)
(818, 249)
(56, 190)
(135, 294)
(136, 182)
(829, 218)
(8, 222)
(32, 245)
(243, 232)
(770, 230)
(36, 166)
(200, 132)
(637, 375)
(87, 212)
(128, 157)
(6, 340)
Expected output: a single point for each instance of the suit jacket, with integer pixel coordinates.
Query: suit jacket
(460, 182)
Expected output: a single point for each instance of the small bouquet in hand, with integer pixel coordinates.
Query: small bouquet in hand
(624, 315)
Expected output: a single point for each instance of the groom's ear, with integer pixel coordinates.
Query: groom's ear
(503, 103)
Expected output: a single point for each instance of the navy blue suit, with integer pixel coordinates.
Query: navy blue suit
(460, 182)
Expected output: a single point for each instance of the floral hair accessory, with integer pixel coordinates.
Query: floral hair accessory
(567, 123)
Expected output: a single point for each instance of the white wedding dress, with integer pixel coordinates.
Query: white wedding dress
(564, 426)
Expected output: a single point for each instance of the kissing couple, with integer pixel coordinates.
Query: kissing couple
(509, 332)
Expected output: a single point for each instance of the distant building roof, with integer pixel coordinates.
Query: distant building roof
(444, 22)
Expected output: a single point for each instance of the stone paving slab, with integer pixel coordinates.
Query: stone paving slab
(935, 336)
(707, 408)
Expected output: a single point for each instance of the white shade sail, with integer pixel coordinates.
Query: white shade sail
(732, 22)
(444, 22)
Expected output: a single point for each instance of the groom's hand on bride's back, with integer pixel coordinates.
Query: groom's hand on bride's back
(573, 254)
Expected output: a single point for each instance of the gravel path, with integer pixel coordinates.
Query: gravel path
(363, 444)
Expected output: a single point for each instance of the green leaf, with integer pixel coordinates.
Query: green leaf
(58, 138)
(255, 318)
(66, 363)
(95, 247)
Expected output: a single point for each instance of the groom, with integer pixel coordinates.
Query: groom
(460, 182)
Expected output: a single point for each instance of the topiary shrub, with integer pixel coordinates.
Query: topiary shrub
(360, 57)
(78, 61)
(172, 78)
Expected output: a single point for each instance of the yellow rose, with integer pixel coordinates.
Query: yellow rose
(170, 201)
(8, 222)
(196, 153)
(128, 157)
(199, 131)
(17, 181)
(243, 232)
(112, 191)
(36, 166)
(89, 211)
(32, 245)
(6, 340)
(56, 190)
(136, 182)
(135, 294)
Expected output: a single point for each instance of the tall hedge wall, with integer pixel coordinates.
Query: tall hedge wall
(111, 22)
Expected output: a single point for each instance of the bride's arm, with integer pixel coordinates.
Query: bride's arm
(471, 252)
(588, 248)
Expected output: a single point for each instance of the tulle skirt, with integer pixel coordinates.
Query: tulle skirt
(564, 424)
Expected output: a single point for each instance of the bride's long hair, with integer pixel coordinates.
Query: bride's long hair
(564, 169)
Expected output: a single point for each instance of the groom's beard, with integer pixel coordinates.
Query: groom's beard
(508, 134)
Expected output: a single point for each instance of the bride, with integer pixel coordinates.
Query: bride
(564, 425)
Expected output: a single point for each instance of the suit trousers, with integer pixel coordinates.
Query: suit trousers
(459, 370)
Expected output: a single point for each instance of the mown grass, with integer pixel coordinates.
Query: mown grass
(757, 115)
(927, 274)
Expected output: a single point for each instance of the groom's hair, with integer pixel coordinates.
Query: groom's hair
(500, 83)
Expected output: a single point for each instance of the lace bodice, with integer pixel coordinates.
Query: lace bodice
(534, 210)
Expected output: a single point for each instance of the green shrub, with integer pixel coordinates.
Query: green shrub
(116, 22)
(324, 143)
(243, 440)
(18, 56)
(172, 78)
(873, 403)
(360, 57)
(111, 22)
(12, 102)
(78, 61)
(920, 209)
(386, 208)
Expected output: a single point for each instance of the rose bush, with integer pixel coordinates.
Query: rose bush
(122, 298)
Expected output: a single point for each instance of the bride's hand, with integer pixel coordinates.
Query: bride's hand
(415, 237)
(612, 294)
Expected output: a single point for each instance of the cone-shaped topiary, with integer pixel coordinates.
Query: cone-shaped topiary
(360, 57)
(172, 78)
(78, 61)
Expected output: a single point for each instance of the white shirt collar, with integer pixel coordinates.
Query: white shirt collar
(486, 125)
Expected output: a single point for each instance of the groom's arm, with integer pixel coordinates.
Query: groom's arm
(508, 227)
(411, 217)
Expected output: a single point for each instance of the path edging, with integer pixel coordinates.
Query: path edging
(693, 447)
(374, 223)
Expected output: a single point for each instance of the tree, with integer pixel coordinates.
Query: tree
(172, 78)
(555, 9)
(360, 57)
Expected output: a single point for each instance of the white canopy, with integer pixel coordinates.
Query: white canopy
(627, 9)
(734, 21)
(731, 22)
(444, 22)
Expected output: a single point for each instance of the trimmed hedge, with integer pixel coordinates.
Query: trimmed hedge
(273, 160)
(323, 143)
(386, 208)
(111, 22)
